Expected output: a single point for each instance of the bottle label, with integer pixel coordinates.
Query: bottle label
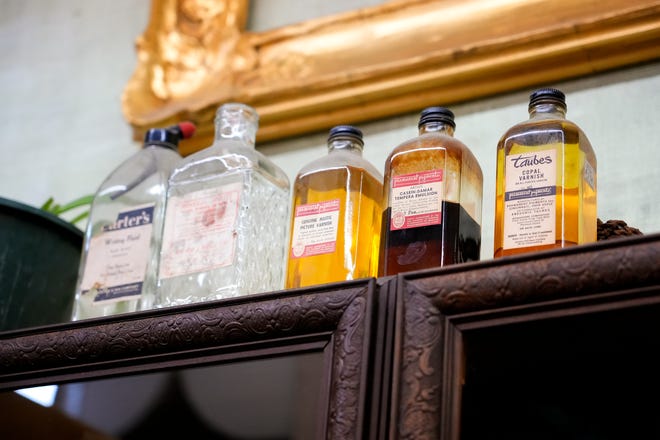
(530, 199)
(416, 199)
(315, 227)
(200, 231)
(117, 257)
(589, 175)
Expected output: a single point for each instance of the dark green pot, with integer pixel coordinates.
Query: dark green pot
(39, 258)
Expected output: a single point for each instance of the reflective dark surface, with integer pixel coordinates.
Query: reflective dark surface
(591, 377)
(268, 399)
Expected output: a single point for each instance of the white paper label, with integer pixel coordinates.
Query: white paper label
(200, 231)
(416, 200)
(117, 258)
(530, 199)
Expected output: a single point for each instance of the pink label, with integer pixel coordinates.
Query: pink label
(416, 200)
(317, 208)
(417, 178)
(315, 227)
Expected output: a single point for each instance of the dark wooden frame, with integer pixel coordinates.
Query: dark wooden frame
(437, 310)
(336, 320)
(394, 348)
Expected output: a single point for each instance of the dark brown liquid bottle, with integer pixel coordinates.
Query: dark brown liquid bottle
(433, 188)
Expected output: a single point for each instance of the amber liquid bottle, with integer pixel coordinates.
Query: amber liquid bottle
(336, 213)
(546, 181)
(433, 190)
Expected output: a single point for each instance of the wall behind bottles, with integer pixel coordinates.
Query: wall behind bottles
(64, 63)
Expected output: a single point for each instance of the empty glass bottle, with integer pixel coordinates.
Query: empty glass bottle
(546, 181)
(119, 262)
(336, 215)
(226, 219)
(433, 190)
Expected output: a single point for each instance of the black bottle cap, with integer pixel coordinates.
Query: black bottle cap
(340, 131)
(437, 114)
(547, 95)
(169, 137)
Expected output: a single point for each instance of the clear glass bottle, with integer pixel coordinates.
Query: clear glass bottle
(546, 181)
(433, 190)
(119, 262)
(336, 215)
(226, 219)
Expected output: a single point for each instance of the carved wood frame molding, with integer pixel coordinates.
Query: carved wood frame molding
(437, 309)
(373, 62)
(334, 321)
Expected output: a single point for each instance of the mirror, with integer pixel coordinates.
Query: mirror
(369, 63)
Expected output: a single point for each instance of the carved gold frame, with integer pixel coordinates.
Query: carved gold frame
(372, 62)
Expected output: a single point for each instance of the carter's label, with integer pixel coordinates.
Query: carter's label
(530, 199)
(315, 227)
(117, 258)
(200, 231)
(416, 200)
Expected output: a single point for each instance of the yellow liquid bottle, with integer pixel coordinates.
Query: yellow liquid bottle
(546, 181)
(336, 214)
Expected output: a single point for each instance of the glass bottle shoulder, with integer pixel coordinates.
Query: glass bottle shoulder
(139, 168)
(423, 152)
(227, 158)
(428, 144)
(542, 130)
(339, 159)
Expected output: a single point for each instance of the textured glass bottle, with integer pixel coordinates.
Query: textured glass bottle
(226, 219)
(546, 181)
(119, 262)
(433, 190)
(336, 215)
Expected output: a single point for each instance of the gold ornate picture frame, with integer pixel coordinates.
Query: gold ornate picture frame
(372, 62)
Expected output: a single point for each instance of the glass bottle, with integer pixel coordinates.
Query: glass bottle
(546, 181)
(226, 219)
(336, 215)
(119, 261)
(433, 190)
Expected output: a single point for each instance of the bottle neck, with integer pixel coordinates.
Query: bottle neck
(345, 144)
(236, 122)
(546, 109)
(436, 127)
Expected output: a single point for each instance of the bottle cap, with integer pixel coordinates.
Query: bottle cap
(436, 114)
(342, 131)
(547, 95)
(169, 137)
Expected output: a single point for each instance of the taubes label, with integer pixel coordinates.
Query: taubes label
(530, 160)
(131, 219)
(530, 199)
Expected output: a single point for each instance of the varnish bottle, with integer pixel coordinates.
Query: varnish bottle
(119, 262)
(546, 181)
(336, 215)
(226, 218)
(433, 190)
